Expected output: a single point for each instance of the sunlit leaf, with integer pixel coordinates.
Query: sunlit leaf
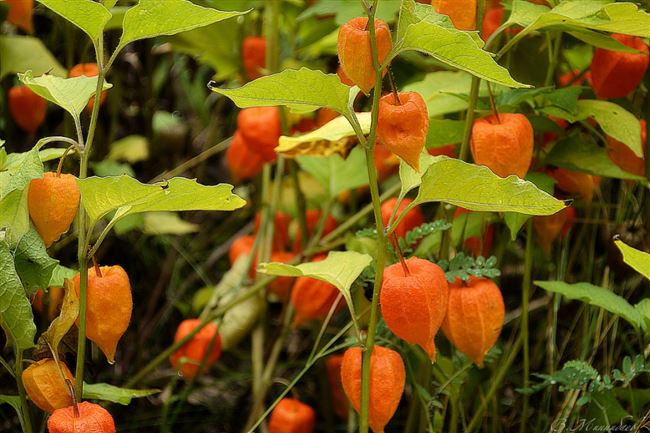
(101, 195)
(299, 89)
(133, 148)
(150, 18)
(88, 15)
(638, 260)
(71, 94)
(167, 223)
(476, 188)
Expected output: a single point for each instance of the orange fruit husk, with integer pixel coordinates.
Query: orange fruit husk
(108, 307)
(402, 127)
(354, 51)
(20, 14)
(45, 386)
(243, 163)
(26, 107)
(414, 304)
(615, 74)
(504, 144)
(292, 416)
(387, 378)
(461, 12)
(92, 418)
(53, 202)
(194, 351)
(474, 317)
(253, 56)
(574, 182)
(339, 400)
(260, 128)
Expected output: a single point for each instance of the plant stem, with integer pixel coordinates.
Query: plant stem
(82, 254)
(26, 419)
(469, 118)
(381, 239)
(525, 295)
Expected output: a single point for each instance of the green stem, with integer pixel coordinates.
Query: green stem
(26, 419)
(525, 296)
(381, 240)
(469, 118)
(83, 237)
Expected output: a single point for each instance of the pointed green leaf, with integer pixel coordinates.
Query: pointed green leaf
(643, 307)
(33, 265)
(476, 188)
(456, 49)
(444, 131)
(340, 269)
(579, 152)
(114, 394)
(13, 401)
(59, 274)
(71, 94)
(599, 15)
(616, 122)
(101, 195)
(594, 295)
(302, 90)
(638, 260)
(335, 173)
(88, 15)
(26, 53)
(515, 221)
(16, 316)
(150, 18)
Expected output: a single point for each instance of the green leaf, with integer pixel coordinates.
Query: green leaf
(579, 152)
(445, 91)
(599, 15)
(476, 188)
(114, 394)
(17, 173)
(515, 221)
(59, 274)
(26, 53)
(91, 17)
(167, 223)
(33, 265)
(133, 148)
(340, 269)
(16, 316)
(71, 94)
(410, 178)
(643, 307)
(444, 131)
(151, 18)
(638, 260)
(594, 295)
(302, 90)
(13, 401)
(335, 173)
(615, 121)
(457, 49)
(101, 195)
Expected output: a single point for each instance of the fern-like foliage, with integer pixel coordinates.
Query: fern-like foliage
(464, 267)
(411, 238)
(578, 375)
